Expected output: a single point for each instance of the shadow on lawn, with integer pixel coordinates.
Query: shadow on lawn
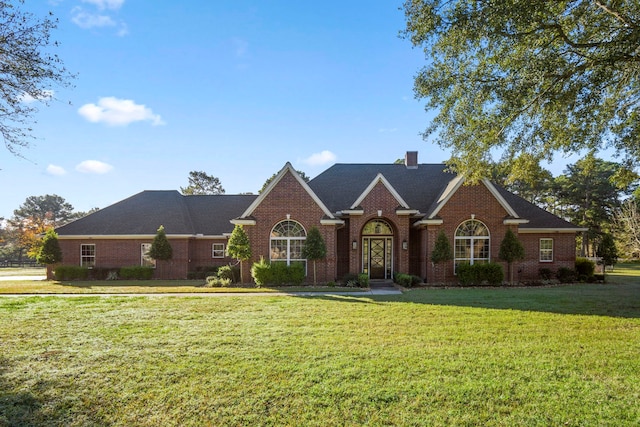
(20, 407)
(613, 300)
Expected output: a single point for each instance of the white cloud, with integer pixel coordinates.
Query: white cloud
(106, 4)
(44, 96)
(93, 166)
(322, 158)
(118, 112)
(56, 170)
(87, 20)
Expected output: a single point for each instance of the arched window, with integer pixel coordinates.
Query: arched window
(472, 242)
(287, 240)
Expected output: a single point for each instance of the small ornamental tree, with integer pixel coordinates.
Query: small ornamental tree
(160, 247)
(239, 246)
(607, 251)
(441, 251)
(511, 250)
(314, 249)
(49, 251)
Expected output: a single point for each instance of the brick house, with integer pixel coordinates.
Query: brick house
(375, 219)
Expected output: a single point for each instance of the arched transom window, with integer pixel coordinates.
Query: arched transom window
(287, 240)
(472, 242)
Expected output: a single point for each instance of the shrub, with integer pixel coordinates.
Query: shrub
(71, 272)
(545, 273)
(403, 280)
(350, 280)
(363, 280)
(277, 273)
(480, 274)
(585, 268)
(228, 272)
(416, 280)
(218, 282)
(566, 275)
(261, 272)
(136, 272)
(102, 273)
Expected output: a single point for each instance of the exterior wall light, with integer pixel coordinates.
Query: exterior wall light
(354, 245)
(404, 245)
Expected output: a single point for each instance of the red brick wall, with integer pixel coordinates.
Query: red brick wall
(479, 201)
(380, 199)
(289, 197)
(126, 252)
(200, 253)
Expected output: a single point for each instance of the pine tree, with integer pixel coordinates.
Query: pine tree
(160, 247)
(314, 249)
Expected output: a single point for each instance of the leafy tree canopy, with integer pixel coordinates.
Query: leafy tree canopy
(528, 77)
(200, 184)
(28, 70)
(49, 251)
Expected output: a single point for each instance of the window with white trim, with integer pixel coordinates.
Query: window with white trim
(145, 259)
(87, 255)
(217, 250)
(287, 241)
(546, 250)
(472, 243)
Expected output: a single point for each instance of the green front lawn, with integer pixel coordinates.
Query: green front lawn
(566, 355)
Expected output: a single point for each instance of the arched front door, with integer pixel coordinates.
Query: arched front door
(377, 249)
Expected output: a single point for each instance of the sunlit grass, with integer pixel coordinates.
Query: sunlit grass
(565, 355)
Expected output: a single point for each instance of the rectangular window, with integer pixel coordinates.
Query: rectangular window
(87, 255)
(546, 250)
(217, 250)
(145, 259)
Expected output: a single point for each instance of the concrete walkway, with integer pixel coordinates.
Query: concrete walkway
(34, 278)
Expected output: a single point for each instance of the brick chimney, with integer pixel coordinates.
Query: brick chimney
(411, 160)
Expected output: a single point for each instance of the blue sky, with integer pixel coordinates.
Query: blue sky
(233, 88)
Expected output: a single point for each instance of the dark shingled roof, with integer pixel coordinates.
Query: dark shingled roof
(144, 212)
(538, 217)
(341, 185)
(338, 187)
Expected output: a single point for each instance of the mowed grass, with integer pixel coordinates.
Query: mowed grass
(142, 287)
(567, 355)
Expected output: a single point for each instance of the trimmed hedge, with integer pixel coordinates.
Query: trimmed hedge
(202, 272)
(406, 280)
(136, 273)
(71, 272)
(277, 273)
(480, 274)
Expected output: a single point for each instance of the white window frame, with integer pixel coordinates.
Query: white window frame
(471, 240)
(284, 243)
(547, 251)
(87, 260)
(219, 252)
(145, 259)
